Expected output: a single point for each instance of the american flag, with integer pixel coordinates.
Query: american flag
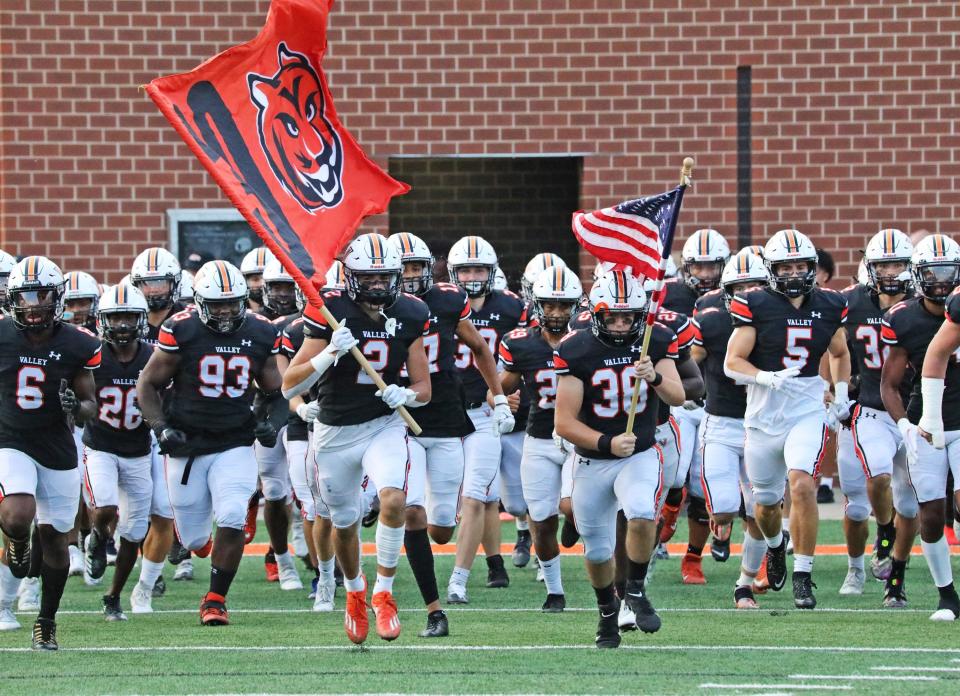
(635, 234)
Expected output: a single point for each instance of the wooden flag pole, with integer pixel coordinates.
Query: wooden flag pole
(685, 174)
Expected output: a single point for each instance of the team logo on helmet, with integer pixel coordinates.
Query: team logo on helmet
(300, 143)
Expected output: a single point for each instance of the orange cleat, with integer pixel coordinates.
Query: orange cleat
(213, 610)
(270, 567)
(385, 609)
(691, 570)
(355, 619)
(951, 535)
(668, 518)
(250, 524)
(760, 583)
(204, 550)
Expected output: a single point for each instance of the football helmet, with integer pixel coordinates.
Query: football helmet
(220, 294)
(280, 289)
(708, 250)
(35, 293)
(789, 246)
(372, 270)
(252, 267)
(79, 286)
(335, 279)
(936, 267)
(556, 284)
(472, 252)
(888, 246)
(537, 265)
(122, 315)
(156, 272)
(617, 292)
(412, 249)
(499, 279)
(185, 289)
(7, 262)
(745, 267)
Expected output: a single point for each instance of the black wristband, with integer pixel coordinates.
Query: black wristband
(604, 444)
(657, 381)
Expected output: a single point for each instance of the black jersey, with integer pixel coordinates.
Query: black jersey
(213, 389)
(607, 374)
(712, 330)
(680, 297)
(290, 341)
(31, 419)
(502, 312)
(153, 332)
(346, 392)
(710, 300)
(581, 321)
(789, 336)
(910, 326)
(118, 427)
(279, 410)
(683, 328)
(527, 353)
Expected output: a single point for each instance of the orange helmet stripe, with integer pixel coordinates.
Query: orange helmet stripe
(31, 268)
(224, 277)
(888, 242)
(121, 294)
(939, 248)
(261, 257)
(557, 278)
(472, 248)
(152, 259)
(742, 263)
(376, 249)
(621, 287)
(405, 244)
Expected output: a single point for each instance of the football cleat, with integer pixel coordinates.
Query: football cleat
(626, 619)
(141, 600)
(647, 619)
(385, 610)
(355, 620)
(720, 549)
(323, 601)
(270, 567)
(803, 587)
(660, 553)
(159, 587)
(289, 577)
(608, 630)
(8, 621)
(17, 555)
(111, 551)
(178, 552)
(540, 576)
(691, 570)
(777, 566)
(204, 550)
(568, 533)
(29, 595)
(521, 550)
(373, 514)
(437, 625)
(668, 519)
(184, 570)
(313, 588)
(853, 584)
(760, 583)
(111, 608)
(554, 604)
(743, 598)
(213, 610)
(91, 581)
(45, 635)
(457, 594)
(788, 540)
(880, 567)
(948, 608)
(95, 558)
(496, 572)
(76, 560)
(250, 523)
(894, 596)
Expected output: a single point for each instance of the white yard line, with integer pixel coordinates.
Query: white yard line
(888, 668)
(863, 677)
(791, 687)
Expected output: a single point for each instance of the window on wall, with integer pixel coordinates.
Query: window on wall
(213, 233)
(521, 205)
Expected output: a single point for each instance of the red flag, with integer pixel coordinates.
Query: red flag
(260, 118)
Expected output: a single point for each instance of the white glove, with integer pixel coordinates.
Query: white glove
(503, 421)
(308, 412)
(562, 444)
(342, 341)
(911, 437)
(838, 410)
(931, 420)
(776, 380)
(395, 396)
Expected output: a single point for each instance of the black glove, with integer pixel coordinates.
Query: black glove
(265, 433)
(170, 439)
(68, 400)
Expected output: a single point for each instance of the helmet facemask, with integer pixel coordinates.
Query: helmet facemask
(377, 288)
(121, 327)
(793, 284)
(280, 296)
(601, 316)
(222, 316)
(737, 287)
(551, 323)
(889, 277)
(414, 281)
(157, 291)
(703, 276)
(36, 308)
(935, 281)
(80, 311)
(474, 287)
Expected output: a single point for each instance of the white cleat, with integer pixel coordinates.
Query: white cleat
(627, 620)
(853, 584)
(8, 622)
(184, 570)
(299, 542)
(91, 581)
(29, 595)
(76, 561)
(943, 615)
(141, 600)
(325, 594)
(457, 594)
(289, 577)
(540, 576)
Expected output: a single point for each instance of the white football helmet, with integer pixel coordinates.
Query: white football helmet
(612, 293)
(936, 267)
(890, 249)
(7, 262)
(472, 252)
(220, 294)
(35, 293)
(122, 315)
(280, 289)
(745, 267)
(372, 270)
(79, 286)
(185, 289)
(537, 265)
(255, 261)
(156, 272)
(335, 279)
(560, 285)
(755, 249)
(671, 269)
(499, 279)
(412, 249)
(709, 251)
(788, 246)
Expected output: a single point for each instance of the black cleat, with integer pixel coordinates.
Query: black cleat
(111, 608)
(521, 550)
(639, 603)
(608, 629)
(437, 626)
(777, 566)
(95, 557)
(803, 588)
(894, 596)
(373, 514)
(660, 553)
(45, 635)
(555, 604)
(496, 572)
(568, 533)
(824, 494)
(159, 587)
(178, 552)
(112, 552)
(17, 554)
(720, 550)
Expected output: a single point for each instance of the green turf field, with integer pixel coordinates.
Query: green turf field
(500, 643)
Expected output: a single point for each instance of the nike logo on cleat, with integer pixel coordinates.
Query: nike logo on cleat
(638, 595)
(607, 616)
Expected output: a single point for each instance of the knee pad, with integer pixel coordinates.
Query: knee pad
(442, 515)
(598, 553)
(697, 510)
(275, 487)
(767, 496)
(857, 507)
(905, 503)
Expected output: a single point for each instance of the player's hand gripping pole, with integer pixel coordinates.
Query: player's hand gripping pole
(656, 298)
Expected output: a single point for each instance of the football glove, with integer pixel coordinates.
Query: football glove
(503, 421)
(776, 380)
(266, 434)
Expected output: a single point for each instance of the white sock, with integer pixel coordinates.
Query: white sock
(753, 552)
(8, 585)
(149, 572)
(383, 584)
(284, 560)
(551, 575)
(355, 585)
(827, 481)
(802, 564)
(938, 559)
(523, 524)
(389, 543)
(855, 562)
(326, 569)
(459, 576)
(774, 542)
(785, 524)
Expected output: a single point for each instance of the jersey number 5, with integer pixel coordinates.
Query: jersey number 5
(797, 355)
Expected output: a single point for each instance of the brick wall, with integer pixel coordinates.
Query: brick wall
(855, 107)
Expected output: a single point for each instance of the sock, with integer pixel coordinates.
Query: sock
(420, 556)
(802, 564)
(605, 595)
(326, 569)
(36, 554)
(827, 481)
(149, 572)
(8, 587)
(51, 590)
(220, 579)
(523, 525)
(775, 541)
(674, 497)
(389, 543)
(384, 583)
(948, 592)
(354, 585)
(753, 552)
(694, 550)
(551, 575)
(938, 559)
(785, 524)
(637, 572)
(284, 560)
(855, 562)
(621, 587)
(899, 568)
(495, 562)
(459, 576)
(886, 535)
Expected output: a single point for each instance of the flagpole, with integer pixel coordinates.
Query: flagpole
(656, 298)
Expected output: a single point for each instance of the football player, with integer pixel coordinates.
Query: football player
(781, 333)
(527, 356)
(252, 267)
(918, 336)
(723, 476)
(80, 295)
(45, 381)
(206, 427)
(472, 263)
(871, 459)
(117, 445)
(598, 370)
(7, 262)
(357, 428)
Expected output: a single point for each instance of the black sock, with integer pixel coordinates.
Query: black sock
(523, 534)
(886, 535)
(36, 555)
(674, 497)
(420, 556)
(220, 580)
(899, 568)
(495, 562)
(53, 580)
(270, 557)
(605, 595)
(621, 587)
(637, 572)
(695, 550)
